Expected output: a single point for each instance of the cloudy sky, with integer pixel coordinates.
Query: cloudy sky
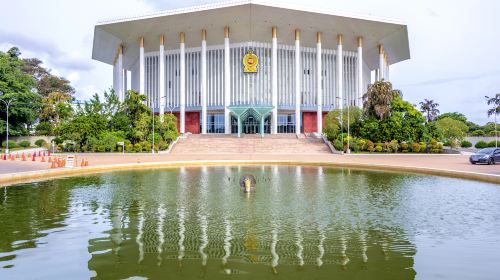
(455, 45)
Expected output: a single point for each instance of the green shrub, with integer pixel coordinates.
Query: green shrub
(40, 142)
(137, 148)
(129, 147)
(492, 133)
(447, 143)
(492, 144)
(393, 146)
(465, 144)
(423, 147)
(370, 147)
(481, 145)
(162, 145)
(146, 146)
(25, 143)
(355, 147)
(362, 144)
(378, 148)
(12, 144)
(337, 144)
(404, 147)
(478, 132)
(57, 140)
(415, 147)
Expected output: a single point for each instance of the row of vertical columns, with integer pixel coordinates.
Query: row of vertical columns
(383, 72)
(274, 81)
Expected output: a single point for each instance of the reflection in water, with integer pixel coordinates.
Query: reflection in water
(145, 224)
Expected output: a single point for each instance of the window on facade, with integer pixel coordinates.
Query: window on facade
(286, 123)
(215, 123)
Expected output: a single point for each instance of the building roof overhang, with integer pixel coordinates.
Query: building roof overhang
(250, 20)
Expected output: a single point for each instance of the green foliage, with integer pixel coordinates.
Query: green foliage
(377, 101)
(492, 144)
(481, 145)
(453, 115)
(415, 147)
(25, 143)
(436, 147)
(337, 144)
(44, 128)
(40, 142)
(405, 123)
(12, 144)
(452, 130)
(465, 144)
(137, 148)
(478, 132)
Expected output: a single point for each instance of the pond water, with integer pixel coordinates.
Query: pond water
(300, 223)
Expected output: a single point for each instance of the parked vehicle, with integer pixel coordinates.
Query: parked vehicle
(487, 155)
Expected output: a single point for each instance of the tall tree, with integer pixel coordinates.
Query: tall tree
(495, 101)
(15, 84)
(378, 98)
(429, 108)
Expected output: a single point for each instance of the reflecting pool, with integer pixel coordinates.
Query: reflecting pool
(300, 223)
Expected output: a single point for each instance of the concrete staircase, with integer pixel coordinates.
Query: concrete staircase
(230, 144)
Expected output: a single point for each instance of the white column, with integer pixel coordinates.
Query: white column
(227, 83)
(360, 88)
(161, 91)
(125, 82)
(386, 67)
(381, 63)
(297, 82)
(120, 73)
(142, 80)
(274, 82)
(115, 76)
(183, 85)
(340, 74)
(319, 76)
(203, 86)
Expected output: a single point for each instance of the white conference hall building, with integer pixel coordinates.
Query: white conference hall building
(249, 66)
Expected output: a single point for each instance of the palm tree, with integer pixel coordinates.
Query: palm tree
(378, 98)
(495, 110)
(429, 108)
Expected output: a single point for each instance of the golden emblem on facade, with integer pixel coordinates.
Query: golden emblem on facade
(250, 62)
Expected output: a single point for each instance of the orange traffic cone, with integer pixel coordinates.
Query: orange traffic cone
(12, 157)
(24, 157)
(53, 164)
(39, 153)
(4, 156)
(29, 155)
(33, 158)
(82, 164)
(43, 158)
(86, 163)
(49, 160)
(17, 155)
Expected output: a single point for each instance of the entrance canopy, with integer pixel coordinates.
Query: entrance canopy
(243, 112)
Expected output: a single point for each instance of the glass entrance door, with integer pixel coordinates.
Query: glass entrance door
(251, 125)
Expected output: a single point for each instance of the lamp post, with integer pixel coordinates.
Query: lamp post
(7, 103)
(341, 125)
